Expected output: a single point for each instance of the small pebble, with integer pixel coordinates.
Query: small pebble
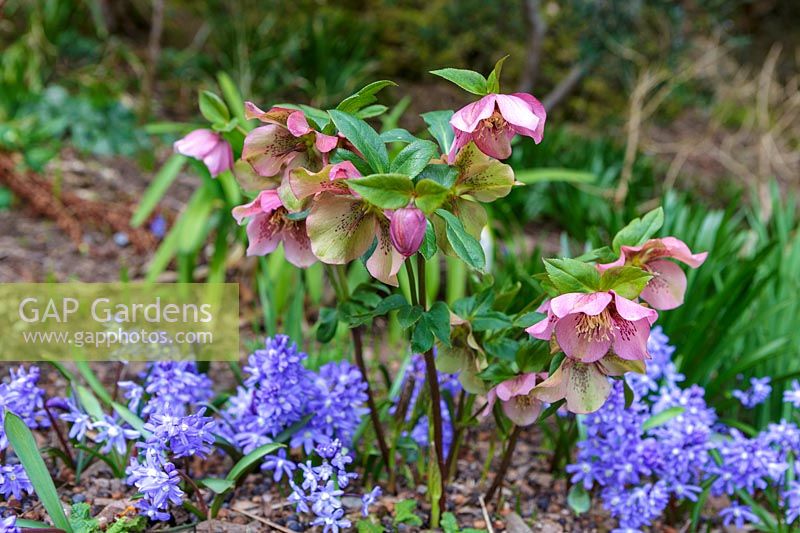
(78, 498)
(294, 525)
(121, 239)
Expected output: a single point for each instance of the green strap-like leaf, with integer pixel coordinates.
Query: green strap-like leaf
(157, 188)
(24, 445)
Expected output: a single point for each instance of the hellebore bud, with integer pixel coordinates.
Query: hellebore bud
(407, 230)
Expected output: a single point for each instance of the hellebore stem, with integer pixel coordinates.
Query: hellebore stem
(358, 348)
(504, 463)
(433, 384)
(342, 293)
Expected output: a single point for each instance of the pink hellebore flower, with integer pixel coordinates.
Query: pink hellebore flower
(587, 326)
(493, 120)
(518, 402)
(407, 230)
(668, 285)
(209, 147)
(287, 141)
(269, 226)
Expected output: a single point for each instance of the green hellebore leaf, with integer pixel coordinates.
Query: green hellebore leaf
(364, 97)
(439, 127)
(371, 111)
(639, 230)
(408, 316)
(364, 138)
(328, 323)
(387, 191)
(429, 195)
(444, 175)
(469, 80)
(414, 158)
(465, 245)
(438, 316)
(428, 247)
(571, 275)
(397, 135)
(627, 281)
(422, 337)
(213, 108)
(493, 83)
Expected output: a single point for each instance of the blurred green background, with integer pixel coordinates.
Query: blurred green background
(691, 104)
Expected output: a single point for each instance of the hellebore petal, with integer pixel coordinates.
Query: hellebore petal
(209, 147)
(469, 117)
(611, 365)
(630, 339)
(582, 342)
(385, 262)
(677, 249)
(587, 388)
(668, 286)
(276, 115)
(297, 124)
(297, 245)
(535, 107)
(584, 387)
(518, 386)
(341, 228)
(269, 148)
(249, 181)
(263, 234)
(517, 112)
(482, 177)
(592, 303)
(544, 328)
(494, 142)
(305, 183)
(265, 202)
(407, 230)
(523, 410)
(630, 310)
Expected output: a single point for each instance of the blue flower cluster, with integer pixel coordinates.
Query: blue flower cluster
(158, 481)
(321, 488)
(21, 395)
(9, 525)
(758, 392)
(638, 468)
(168, 386)
(280, 392)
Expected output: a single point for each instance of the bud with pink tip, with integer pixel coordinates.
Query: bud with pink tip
(407, 230)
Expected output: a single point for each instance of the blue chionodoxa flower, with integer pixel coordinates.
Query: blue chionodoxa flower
(113, 435)
(158, 481)
(637, 472)
(758, 392)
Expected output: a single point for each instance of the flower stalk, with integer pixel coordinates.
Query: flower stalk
(505, 462)
(433, 385)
